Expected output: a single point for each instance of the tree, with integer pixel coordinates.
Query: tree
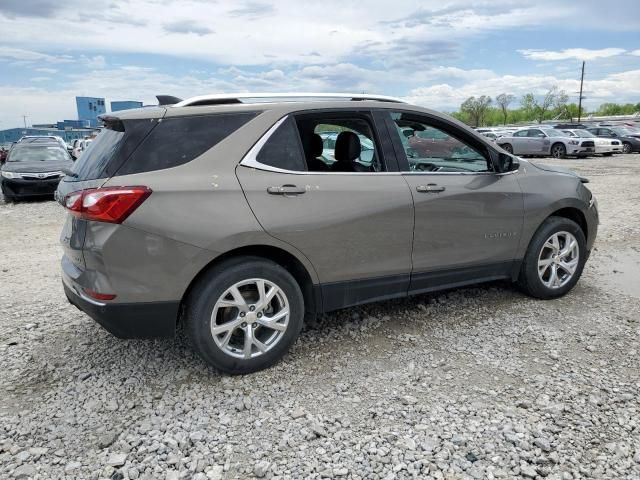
(548, 100)
(503, 100)
(560, 102)
(476, 108)
(528, 104)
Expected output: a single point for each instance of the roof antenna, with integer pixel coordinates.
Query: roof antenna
(167, 99)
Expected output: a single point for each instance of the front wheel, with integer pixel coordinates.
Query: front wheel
(626, 147)
(244, 314)
(558, 150)
(507, 148)
(554, 260)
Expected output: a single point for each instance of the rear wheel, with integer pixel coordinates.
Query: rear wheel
(507, 147)
(558, 150)
(555, 259)
(244, 315)
(626, 147)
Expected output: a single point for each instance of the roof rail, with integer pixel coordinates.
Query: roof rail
(228, 98)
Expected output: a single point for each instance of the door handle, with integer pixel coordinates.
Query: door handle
(286, 190)
(430, 188)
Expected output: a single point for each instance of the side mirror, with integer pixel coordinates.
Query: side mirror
(507, 163)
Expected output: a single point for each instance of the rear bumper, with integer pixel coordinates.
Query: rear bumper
(28, 188)
(127, 320)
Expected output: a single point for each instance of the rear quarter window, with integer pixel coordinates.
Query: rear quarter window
(178, 140)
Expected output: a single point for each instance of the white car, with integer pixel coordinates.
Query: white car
(604, 146)
(543, 141)
(79, 147)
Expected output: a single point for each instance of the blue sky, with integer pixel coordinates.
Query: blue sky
(432, 53)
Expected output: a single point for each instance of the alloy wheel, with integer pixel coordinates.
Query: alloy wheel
(558, 260)
(626, 148)
(558, 151)
(250, 318)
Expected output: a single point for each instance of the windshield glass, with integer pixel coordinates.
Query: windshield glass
(556, 133)
(32, 154)
(622, 131)
(582, 133)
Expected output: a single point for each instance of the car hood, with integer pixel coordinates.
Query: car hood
(37, 166)
(555, 169)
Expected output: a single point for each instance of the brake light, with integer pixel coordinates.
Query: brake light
(108, 204)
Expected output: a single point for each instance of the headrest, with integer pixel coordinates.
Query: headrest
(315, 145)
(347, 147)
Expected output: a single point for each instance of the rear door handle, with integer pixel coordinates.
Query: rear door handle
(286, 190)
(430, 188)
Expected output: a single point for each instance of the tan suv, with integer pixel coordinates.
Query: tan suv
(227, 213)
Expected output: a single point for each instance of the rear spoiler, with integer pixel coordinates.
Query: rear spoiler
(167, 99)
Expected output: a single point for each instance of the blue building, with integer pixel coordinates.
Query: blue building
(68, 135)
(125, 105)
(89, 108)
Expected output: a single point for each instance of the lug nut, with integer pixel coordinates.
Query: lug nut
(252, 308)
(244, 324)
(242, 314)
(259, 315)
(254, 325)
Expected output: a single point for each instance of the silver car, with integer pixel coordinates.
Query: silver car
(222, 213)
(545, 142)
(604, 146)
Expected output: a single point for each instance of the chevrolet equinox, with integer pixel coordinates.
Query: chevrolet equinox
(241, 215)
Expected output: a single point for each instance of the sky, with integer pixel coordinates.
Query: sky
(433, 53)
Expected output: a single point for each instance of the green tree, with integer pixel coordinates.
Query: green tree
(503, 100)
(476, 109)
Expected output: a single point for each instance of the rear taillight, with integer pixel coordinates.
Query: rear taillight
(99, 296)
(109, 204)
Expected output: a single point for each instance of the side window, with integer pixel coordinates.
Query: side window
(339, 144)
(535, 133)
(521, 133)
(282, 149)
(431, 149)
(178, 140)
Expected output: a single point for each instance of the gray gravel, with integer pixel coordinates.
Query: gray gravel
(469, 384)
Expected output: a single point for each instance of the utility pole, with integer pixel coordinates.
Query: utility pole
(580, 96)
(24, 118)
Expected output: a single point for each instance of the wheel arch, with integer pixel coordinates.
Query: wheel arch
(574, 214)
(311, 294)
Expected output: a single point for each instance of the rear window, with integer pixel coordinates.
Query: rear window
(152, 144)
(178, 140)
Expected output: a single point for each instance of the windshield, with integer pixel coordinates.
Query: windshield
(556, 133)
(622, 131)
(581, 133)
(32, 154)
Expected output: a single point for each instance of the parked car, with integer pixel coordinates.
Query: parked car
(244, 231)
(42, 139)
(80, 147)
(545, 141)
(604, 146)
(33, 170)
(629, 138)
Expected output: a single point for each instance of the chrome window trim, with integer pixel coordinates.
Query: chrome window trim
(250, 161)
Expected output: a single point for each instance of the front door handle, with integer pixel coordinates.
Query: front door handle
(430, 188)
(286, 190)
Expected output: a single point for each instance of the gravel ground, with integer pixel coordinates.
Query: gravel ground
(472, 383)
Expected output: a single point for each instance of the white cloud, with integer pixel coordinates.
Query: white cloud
(30, 56)
(569, 53)
(617, 87)
(635, 52)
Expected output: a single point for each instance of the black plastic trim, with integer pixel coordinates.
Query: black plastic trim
(338, 295)
(130, 320)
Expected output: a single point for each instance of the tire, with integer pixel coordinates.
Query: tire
(626, 147)
(272, 343)
(9, 199)
(558, 150)
(529, 280)
(507, 148)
